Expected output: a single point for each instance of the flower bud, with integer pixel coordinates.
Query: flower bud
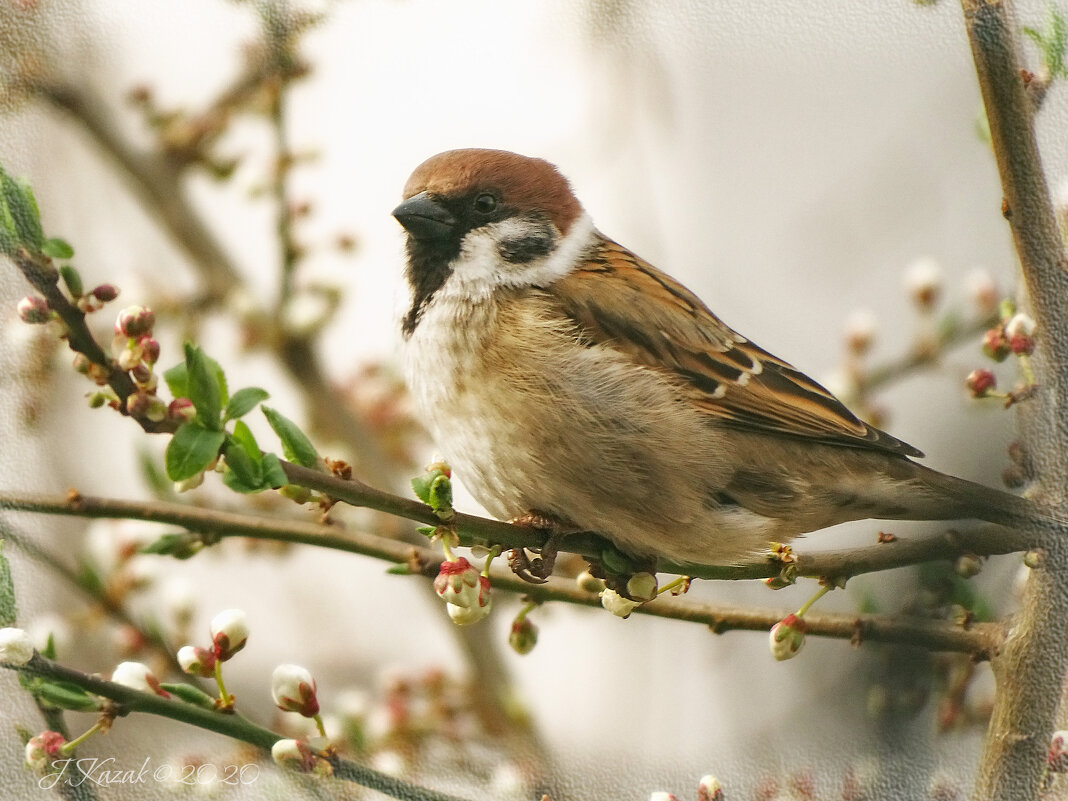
(662, 796)
(81, 363)
(709, 789)
(1058, 752)
(466, 615)
(617, 604)
(149, 350)
(523, 636)
(458, 583)
(42, 749)
(137, 676)
(860, 327)
(587, 582)
(642, 586)
(923, 283)
(196, 661)
(181, 409)
(1020, 323)
(105, 293)
(293, 690)
(34, 310)
(16, 646)
(981, 382)
(189, 483)
(786, 637)
(135, 321)
(229, 632)
(983, 290)
(996, 345)
(294, 755)
(968, 565)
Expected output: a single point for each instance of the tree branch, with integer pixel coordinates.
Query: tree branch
(1031, 668)
(980, 640)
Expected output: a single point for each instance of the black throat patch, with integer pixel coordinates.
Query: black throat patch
(427, 271)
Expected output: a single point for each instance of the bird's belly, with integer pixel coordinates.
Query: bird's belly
(554, 426)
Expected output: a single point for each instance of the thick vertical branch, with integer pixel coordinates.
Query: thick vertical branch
(1031, 667)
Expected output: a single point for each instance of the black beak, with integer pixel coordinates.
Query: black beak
(425, 218)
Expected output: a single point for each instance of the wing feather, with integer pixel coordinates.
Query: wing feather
(635, 308)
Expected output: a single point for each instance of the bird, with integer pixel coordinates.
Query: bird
(568, 380)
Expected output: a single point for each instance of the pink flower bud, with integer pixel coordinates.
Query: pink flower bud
(43, 748)
(786, 637)
(196, 661)
(135, 321)
(523, 636)
(293, 690)
(1022, 345)
(137, 676)
(149, 350)
(181, 409)
(458, 583)
(1058, 752)
(105, 293)
(34, 310)
(981, 382)
(229, 632)
(709, 789)
(995, 344)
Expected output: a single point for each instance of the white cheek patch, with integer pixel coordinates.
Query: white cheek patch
(480, 268)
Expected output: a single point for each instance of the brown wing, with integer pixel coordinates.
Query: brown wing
(635, 308)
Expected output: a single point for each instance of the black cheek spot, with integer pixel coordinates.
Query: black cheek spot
(526, 248)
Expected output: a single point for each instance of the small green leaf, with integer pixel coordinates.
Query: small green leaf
(243, 436)
(180, 546)
(22, 210)
(205, 388)
(399, 570)
(243, 473)
(73, 280)
(56, 248)
(244, 401)
(427, 531)
(191, 450)
(177, 379)
(154, 478)
(189, 694)
(49, 651)
(295, 444)
(273, 474)
(65, 695)
(8, 607)
(421, 486)
(440, 494)
(89, 579)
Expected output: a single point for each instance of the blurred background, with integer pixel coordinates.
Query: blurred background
(790, 162)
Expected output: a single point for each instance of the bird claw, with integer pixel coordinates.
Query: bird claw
(538, 569)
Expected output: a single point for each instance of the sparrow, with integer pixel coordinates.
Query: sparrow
(566, 378)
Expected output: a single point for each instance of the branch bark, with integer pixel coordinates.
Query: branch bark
(1031, 667)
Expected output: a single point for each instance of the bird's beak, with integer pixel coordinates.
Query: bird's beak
(425, 218)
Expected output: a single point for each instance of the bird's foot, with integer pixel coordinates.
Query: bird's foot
(537, 570)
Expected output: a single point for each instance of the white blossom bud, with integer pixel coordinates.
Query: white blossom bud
(923, 282)
(293, 755)
(16, 646)
(466, 615)
(196, 661)
(137, 676)
(229, 632)
(982, 289)
(42, 749)
(662, 796)
(786, 637)
(1058, 752)
(1020, 324)
(293, 690)
(617, 604)
(860, 327)
(709, 789)
(458, 583)
(642, 586)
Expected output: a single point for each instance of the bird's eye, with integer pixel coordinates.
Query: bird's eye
(485, 203)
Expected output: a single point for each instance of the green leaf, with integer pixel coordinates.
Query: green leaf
(206, 387)
(191, 449)
(22, 212)
(189, 694)
(73, 280)
(244, 401)
(440, 495)
(295, 444)
(154, 478)
(243, 436)
(243, 473)
(421, 486)
(177, 379)
(49, 651)
(8, 607)
(180, 546)
(65, 695)
(401, 569)
(273, 474)
(56, 248)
